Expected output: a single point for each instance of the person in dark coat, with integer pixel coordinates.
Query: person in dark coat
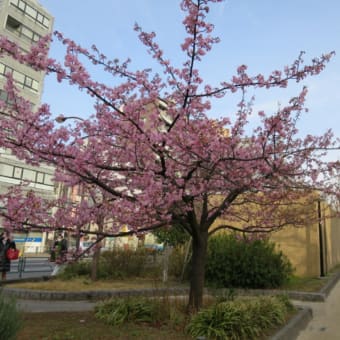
(60, 253)
(6, 242)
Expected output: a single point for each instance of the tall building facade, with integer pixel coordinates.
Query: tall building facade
(24, 22)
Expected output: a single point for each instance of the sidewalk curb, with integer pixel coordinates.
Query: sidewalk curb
(330, 284)
(31, 294)
(295, 325)
(91, 295)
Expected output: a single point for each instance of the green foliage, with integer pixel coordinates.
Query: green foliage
(10, 319)
(177, 261)
(75, 269)
(139, 310)
(120, 264)
(173, 236)
(240, 263)
(117, 311)
(117, 264)
(227, 319)
(240, 319)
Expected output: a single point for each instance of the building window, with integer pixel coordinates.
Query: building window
(28, 175)
(22, 5)
(2, 69)
(48, 179)
(9, 102)
(25, 174)
(31, 13)
(20, 78)
(28, 82)
(35, 85)
(40, 177)
(12, 24)
(20, 30)
(6, 170)
(17, 173)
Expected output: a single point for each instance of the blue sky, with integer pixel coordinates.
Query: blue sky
(264, 34)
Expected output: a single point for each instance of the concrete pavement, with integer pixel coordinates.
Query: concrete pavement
(40, 306)
(325, 323)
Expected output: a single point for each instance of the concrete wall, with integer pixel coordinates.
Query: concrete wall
(303, 246)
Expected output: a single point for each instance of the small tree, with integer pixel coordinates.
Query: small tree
(173, 236)
(153, 152)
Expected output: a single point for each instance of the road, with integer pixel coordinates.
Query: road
(30, 267)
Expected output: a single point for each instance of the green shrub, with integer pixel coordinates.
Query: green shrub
(116, 264)
(240, 319)
(140, 310)
(173, 236)
(75, 269)
(120, 264)
(239, 263)
(117, 311)
(176, 262)
(246, 319)
(10, 319)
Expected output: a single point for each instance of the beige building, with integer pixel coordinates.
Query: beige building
(314, 249)
(24, 22)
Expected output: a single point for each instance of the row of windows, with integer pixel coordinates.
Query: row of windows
(16, 27)
(4, 97)
(31, 12)
(9, 102)
(22, 79)
(24, 174)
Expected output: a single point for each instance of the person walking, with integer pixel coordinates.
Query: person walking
(6, 242)
(60, 250)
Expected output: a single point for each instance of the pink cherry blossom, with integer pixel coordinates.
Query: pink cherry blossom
(150, 156)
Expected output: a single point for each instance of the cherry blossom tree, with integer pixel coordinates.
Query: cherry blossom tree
(153, 152)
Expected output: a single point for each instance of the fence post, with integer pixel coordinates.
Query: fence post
(21, 266)
(166, 254)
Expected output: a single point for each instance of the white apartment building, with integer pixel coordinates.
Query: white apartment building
(24, 22)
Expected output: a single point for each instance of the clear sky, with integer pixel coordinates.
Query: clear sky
(263, 34)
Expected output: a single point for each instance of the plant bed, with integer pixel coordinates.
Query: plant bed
(84, 325)
(85, 284)
(132, 319)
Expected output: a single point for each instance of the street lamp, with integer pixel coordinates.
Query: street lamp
(61, 119)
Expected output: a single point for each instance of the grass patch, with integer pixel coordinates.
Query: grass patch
(83, 284)
(295, 283)
(306, 284)
(84, 325)
(10, 320)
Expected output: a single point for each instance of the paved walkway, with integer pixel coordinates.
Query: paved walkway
(39, 306)
(325, 324)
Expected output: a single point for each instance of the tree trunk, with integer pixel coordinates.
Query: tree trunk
(95, 263)
(97, 249)
(199, 254)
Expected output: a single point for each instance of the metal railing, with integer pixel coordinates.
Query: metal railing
(31, 265)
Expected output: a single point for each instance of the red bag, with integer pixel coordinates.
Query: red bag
(12, 254)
